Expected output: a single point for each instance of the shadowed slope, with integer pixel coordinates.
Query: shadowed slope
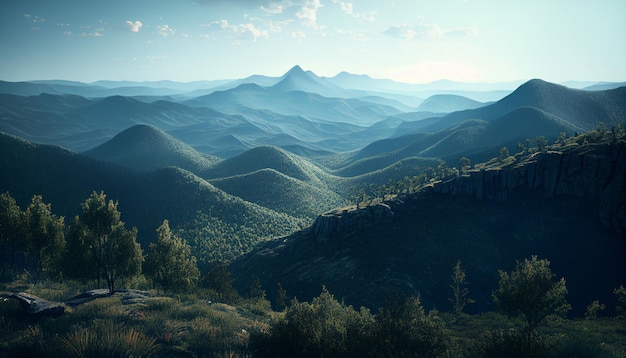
(144, 147)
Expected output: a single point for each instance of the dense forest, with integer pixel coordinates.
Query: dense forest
(159, 300)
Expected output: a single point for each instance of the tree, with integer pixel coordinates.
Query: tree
(404, 328)
(464, 164)
(256, 291)
(220, 281)
(542, 143)
(459, 291)
(45, 237)
(170, 263)
(78, 259)
(10, 226)
(593, 309)
(531, 292)
(281, 298)
(504, 153)
(113, 248)
(620, 308)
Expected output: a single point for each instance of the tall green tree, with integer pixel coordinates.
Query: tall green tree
(404, 328)
(219, 280)
(459, 288)
(530, 291)
(45, 237)
(10, 233)
(112, 247)
(170, 263)
(78, 259)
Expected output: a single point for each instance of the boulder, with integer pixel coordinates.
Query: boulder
(35, 305)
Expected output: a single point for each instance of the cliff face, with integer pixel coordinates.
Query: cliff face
(595, 174)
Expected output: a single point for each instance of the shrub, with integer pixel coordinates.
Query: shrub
(107, 339)
(593, 309)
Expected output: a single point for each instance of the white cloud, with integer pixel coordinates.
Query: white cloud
(242, 31)
(308, 13)
(134, 26)
(273, 8)
(67, 33)
(34, 18)
(91, 34)
(348, 8)
(165, 30)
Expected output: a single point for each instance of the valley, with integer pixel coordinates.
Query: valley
(362, 187)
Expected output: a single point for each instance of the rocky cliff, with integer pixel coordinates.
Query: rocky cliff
(593, 173)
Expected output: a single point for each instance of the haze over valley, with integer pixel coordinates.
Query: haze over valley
(313, 178)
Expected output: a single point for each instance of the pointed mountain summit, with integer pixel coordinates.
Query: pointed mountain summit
(147, 148)
(296, 79)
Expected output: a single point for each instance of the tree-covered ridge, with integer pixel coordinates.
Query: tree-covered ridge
(485, 215)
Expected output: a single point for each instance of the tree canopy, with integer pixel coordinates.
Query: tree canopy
(104, 237)
(170, 263)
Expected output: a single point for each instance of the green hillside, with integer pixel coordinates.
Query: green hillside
(144, 147)
(274, 190)
(220, 226)
(264, 158)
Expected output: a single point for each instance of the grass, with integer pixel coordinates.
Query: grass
(188, 325)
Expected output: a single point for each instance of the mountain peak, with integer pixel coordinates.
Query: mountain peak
(296, 79)
(294, 70)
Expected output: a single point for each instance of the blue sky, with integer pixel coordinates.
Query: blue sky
(406, 40)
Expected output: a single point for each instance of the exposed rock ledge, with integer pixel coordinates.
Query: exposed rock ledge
(595, 173)
(38, 306)
(348, 219)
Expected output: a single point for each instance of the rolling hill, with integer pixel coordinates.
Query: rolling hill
(220, 226)
(277, 191)
(267, 158)
(144, 147)
(446, 103)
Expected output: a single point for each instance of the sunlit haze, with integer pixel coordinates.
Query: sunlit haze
(405, 40)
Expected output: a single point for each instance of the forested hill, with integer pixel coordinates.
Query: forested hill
(65, 179)
(565, 203)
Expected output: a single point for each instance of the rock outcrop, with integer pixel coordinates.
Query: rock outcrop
(34, 305)
(595, 174)
(352, 219)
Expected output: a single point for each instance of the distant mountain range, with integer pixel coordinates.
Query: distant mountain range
(304, 112)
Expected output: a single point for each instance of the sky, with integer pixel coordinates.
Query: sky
(413, 41)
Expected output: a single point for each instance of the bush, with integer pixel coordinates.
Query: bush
(511, 343)
(327, 328)
(105, 339)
